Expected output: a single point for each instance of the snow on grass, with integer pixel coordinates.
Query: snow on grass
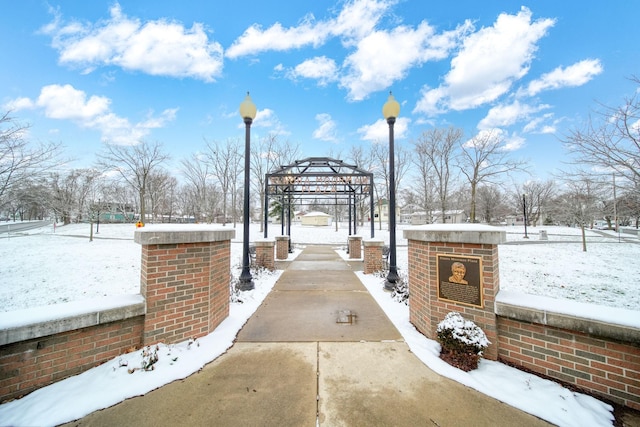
(44, 267)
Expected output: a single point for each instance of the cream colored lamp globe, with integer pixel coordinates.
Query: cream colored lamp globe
(248, 108)
(391, 108)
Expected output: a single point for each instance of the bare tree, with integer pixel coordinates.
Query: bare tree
(134, 164)
(483, 161)
(363, 159)
(196, 172)
(380, 155)
(224, 159)
(160, 188)
(491, 203)
(611, 141)
(435, 151)
(578, 204)
(121, 199)
(20, 159)
(69, 193)
(266, 155)
(539, 195)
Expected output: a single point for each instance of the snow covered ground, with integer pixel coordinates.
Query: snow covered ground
(47, 267)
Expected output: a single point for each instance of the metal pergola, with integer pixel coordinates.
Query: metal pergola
(319, 177)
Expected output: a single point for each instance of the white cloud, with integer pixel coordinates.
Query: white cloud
(378, 58)
(508, 114)
(320, 68)
(496, 137)
(326, 130)
(266, 119)
(488, 63)
(571, 76)
(357, 18)
(383, 57)
(543, 124)
(64, 102)
(513, 142)
(256, 40)
(18, 104)
(378, 132)
(158, 47)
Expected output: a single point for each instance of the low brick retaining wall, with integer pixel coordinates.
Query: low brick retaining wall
(50, 349)
(596, 356)
(600, 357)
(184, 293)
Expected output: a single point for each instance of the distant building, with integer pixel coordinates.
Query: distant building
(454, 216)
(381, 211)
(320, 219)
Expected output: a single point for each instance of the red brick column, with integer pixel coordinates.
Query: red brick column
(282, 247)
(184, 279)
(355, 247)
(264, 254)
(426, 307)
(372, 256)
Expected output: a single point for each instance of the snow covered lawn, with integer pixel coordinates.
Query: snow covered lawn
(45, 267)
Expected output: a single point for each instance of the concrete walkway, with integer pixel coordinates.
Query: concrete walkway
(318, 351)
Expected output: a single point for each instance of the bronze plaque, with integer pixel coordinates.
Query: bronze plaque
(459, 279)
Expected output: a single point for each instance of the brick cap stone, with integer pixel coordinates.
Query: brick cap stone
(282, 237)
(373, 242)
(169, 234)
(265, 242)
(457, 233)
(588, 318)
(355, 237)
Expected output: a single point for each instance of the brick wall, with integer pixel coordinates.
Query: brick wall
(265, 254)
(355, 247)
(186, 287)
(607, 367)
(28, 365)
(594, 356)
(426, 309)
(372, 256)
(184, 283)
(282, 247)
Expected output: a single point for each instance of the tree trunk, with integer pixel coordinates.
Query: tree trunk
(472, 213)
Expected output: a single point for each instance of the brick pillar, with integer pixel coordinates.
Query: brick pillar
(373, 255)
(282, 247)
(184, 279)
(264, 253)
(355, 250)
(435, 291)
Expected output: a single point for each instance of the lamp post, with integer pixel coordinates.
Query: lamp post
(248, 113)
(390, 111)
(524, 211)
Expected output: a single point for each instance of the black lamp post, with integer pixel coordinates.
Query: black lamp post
(248, 113)
(390, 111)
(524, 210)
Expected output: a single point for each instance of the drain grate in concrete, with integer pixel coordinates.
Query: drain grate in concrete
(346, 317)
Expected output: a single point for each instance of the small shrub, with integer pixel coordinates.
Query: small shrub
(462, 341)
(401, 292)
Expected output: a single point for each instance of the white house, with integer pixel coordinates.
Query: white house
(454, 216)
(316, 218)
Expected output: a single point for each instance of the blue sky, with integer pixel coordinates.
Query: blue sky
(85, 73)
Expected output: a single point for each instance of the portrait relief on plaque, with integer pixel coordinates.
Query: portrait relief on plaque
(459, 279)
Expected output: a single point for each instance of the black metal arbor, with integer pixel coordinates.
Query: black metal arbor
(318, 177)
